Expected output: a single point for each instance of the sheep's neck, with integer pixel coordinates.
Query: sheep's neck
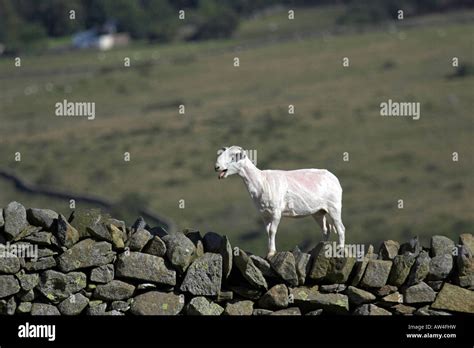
(253, 179)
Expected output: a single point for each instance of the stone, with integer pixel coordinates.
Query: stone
(466, 281)
(139, 224)
(56, 286)
(247, 292)
(146, 286)
(376, 273)
(309, 298)
(261, 311)
(361, 265)
(28, 281)
(26, 235)
(212, 242)
(302, 263)
(339, 269)
(193, 235)
(412, 247)
(284, 264)
(27, 296)
(139, 239)
(24, 308)
(370, 309)
(96, 308)
(389, 249)
(440, 267)
(202, 306)
(102, 274)
(114, 312)
(45, 252)
(117, 236)
(40, 264)
(264, 266)
(8, 285)
(419, 293)
(226, 252)
(41, 238)
(15, 219)
(223, 296)
(149, 268)
(81, 219)
(436, 285)
(204, 276)
(454, 298)
(66, 234)
(315, 312)
(114, 291)
(359, 296)
(179, 251)
(441, 245)
(9, 262)
(402, 309)
(73, 305)
(199, 249)
(157, 303)
(244, 307)
(41, 217)
(288, 311)
(465, 268)
(121, 306)
(248, 269)
(401, 269)
(99, 231)
(156, 247)
(44, 309)
(320, 263)
(275, 298)
(385, 290)
(8, 307)
(86, 253)
(465, 239)
(426, 310)
(395, 297)
(328, 288)
(420, 269)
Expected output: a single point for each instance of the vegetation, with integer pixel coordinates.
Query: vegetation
(26, 24)
(336, 111)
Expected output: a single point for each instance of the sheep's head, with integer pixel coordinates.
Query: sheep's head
(229, 161)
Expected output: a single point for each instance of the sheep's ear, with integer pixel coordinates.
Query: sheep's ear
(221, 150)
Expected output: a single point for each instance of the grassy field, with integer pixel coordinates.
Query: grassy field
(336, 111)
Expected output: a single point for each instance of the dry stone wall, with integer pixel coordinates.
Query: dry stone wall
(92, 264)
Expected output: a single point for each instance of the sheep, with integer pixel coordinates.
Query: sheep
(280, 193)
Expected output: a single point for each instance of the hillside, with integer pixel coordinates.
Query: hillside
(337, 111)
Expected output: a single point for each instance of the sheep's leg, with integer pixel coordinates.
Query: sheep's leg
(272, 227)
(340, 229)
(323, 223)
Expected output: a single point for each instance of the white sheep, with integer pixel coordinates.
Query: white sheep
(294, 193)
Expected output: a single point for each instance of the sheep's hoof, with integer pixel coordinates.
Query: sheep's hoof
(270, 255)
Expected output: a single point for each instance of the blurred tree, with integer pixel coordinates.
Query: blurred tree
(25, 23)
(15, 33)
(214, 20)
(52, 15)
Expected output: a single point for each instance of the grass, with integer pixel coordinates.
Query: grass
(337, 111)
